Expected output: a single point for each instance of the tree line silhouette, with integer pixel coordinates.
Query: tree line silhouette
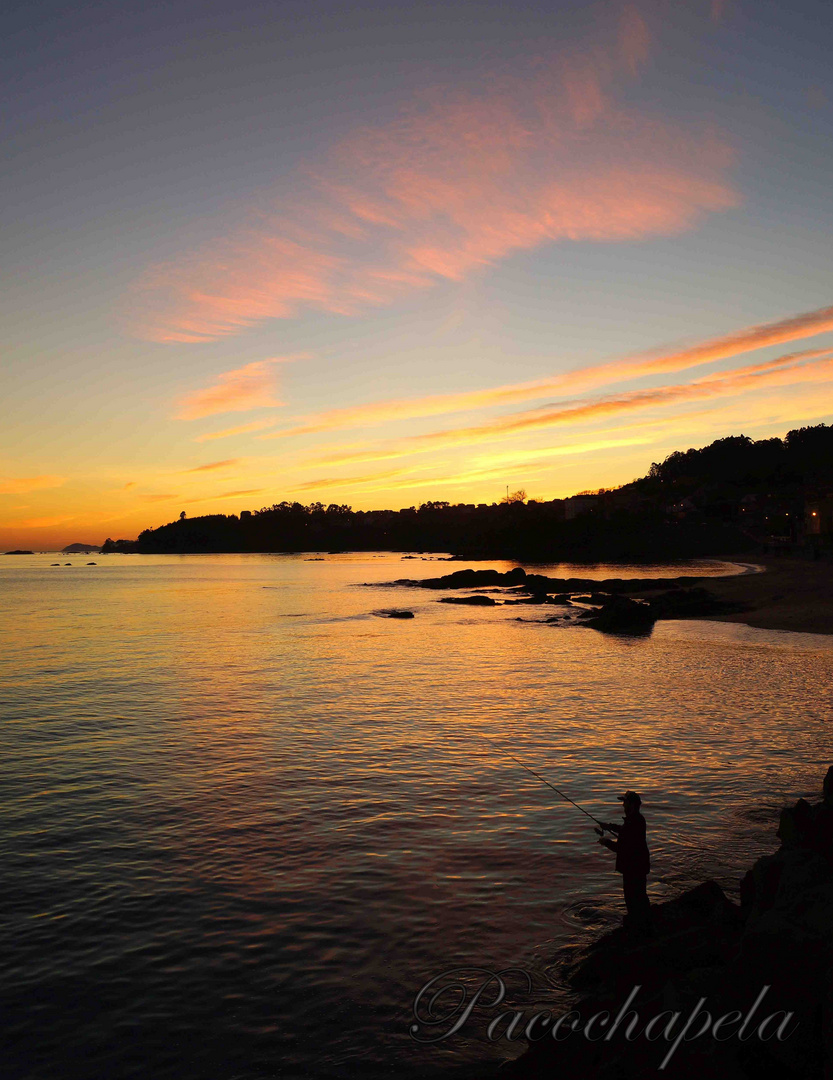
(726, 498)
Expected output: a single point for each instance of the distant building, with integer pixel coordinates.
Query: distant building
(818, 516)
(682, 508)
(577, 505)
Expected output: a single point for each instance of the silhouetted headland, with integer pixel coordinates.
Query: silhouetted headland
(734, 496)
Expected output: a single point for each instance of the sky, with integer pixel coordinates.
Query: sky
(383, 253)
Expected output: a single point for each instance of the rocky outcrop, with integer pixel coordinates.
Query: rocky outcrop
(474, 601)
(705, 947)
(618, 605)
(621, 615)
(539, 583)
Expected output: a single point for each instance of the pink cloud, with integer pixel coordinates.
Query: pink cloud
(250, 387)
(814, 366)
(634, 38)
(749, 339)
(457, 183)
(240, 429)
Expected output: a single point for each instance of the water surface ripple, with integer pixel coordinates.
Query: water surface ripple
(244, 819)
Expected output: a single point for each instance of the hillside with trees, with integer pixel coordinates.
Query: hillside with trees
(733, 496)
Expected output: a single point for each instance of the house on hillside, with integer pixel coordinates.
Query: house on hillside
(818, 516)
(579, 505)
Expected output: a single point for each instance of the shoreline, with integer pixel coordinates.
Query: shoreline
(773, 593)
(787, 594)
(770, 593)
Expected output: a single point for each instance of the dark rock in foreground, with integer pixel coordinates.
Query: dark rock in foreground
(709, 954)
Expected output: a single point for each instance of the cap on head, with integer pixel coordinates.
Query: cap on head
(630, 797)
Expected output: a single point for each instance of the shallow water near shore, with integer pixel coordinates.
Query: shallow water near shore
(245, 819)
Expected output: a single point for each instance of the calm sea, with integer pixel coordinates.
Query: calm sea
(244, 819)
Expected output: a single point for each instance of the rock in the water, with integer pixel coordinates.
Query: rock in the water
(621, 615)
(472, 601)
(394, 613)
(18, 551)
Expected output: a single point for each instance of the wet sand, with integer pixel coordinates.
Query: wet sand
(791, 594)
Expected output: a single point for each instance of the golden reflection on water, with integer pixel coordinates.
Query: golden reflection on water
(228, 782)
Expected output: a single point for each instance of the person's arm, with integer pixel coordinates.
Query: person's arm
(611, 826)
(612, 844)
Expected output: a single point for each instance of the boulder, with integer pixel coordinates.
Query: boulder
(621, 615)
(472, 601)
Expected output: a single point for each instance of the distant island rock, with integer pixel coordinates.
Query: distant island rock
(18, 551)
(81, 549)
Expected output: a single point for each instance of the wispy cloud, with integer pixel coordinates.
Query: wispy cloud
(212, 465)
(458, 182)
(812, 366)
(713, 350)
(493, 465)
(794, 328)
(225, 495)
(757, 376)
(348, 481)
(39, 522)
(241, 429)
(19, 485)
(250, 387)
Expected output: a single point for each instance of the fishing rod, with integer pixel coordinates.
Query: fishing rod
(543, 781)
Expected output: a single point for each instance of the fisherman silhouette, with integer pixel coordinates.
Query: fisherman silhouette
(632, 860)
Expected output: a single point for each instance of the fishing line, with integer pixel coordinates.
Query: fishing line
(543, 781)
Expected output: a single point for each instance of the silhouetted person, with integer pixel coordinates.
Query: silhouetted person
(632, 860)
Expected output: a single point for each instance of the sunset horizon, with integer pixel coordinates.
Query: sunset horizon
(416, 540)
(545, 264)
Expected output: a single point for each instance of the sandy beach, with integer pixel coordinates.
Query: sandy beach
(791, 594)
